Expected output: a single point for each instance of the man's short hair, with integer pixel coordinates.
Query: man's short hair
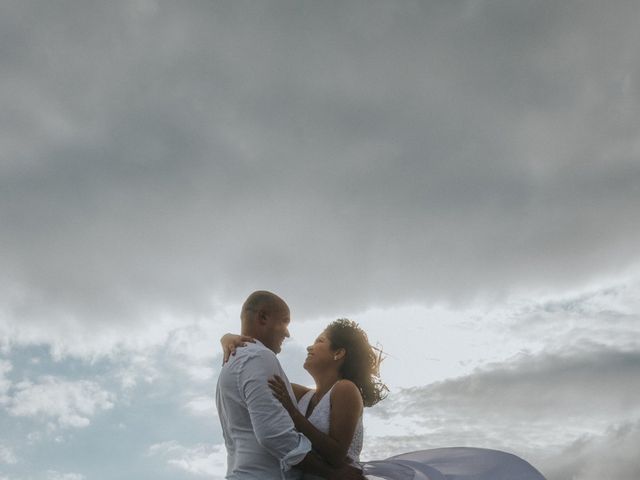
(261, 299)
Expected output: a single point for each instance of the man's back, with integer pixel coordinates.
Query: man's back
(259, 435)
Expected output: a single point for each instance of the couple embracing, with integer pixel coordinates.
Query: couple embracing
(277, 430)
(318, 433)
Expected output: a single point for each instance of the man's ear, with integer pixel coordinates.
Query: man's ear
(262, 317)
(339, 354)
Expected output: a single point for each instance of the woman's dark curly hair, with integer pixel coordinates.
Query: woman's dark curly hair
(362, 361)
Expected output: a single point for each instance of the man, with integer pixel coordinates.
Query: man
(261, 441)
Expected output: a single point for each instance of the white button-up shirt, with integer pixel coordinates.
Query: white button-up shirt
(259, 435)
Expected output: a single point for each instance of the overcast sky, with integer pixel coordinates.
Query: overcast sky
(462, 177)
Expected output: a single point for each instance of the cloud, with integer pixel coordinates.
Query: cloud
(7, 455)
(70, 404)
(5, 383)
(372, 153)
(608, 315)
(201, 459)
(191, 341)
(54, 475)
(594, 383)
(612, 455)
(203, 405)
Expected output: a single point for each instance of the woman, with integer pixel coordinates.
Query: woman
(345, 368)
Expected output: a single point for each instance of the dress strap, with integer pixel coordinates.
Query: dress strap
(303, 403)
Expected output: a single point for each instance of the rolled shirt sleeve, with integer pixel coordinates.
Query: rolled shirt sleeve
(272, 425)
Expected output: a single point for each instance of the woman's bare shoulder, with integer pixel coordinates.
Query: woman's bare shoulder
(346, 389)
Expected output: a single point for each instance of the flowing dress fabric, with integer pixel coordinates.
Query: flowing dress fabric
(454, 463)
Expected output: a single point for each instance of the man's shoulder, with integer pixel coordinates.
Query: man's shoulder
(255, 350)
(253, 353)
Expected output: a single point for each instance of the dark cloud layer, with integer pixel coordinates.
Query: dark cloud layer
(163, 157)
(613, 455)
(600, 383)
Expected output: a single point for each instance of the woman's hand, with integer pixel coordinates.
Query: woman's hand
(230, 342)
(279, 389)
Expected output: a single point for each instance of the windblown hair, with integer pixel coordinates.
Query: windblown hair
(362, 361)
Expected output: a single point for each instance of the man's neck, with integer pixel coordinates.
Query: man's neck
(255, 335)
(250, 333)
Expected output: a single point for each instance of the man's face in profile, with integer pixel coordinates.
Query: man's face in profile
(276, 328)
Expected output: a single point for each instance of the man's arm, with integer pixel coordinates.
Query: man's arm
(271, 424)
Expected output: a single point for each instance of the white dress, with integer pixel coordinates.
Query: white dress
(453, 463)
(320, 418)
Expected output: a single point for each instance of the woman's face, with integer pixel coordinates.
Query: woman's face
(319, 354)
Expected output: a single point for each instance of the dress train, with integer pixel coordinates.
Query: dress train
(454, 463)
